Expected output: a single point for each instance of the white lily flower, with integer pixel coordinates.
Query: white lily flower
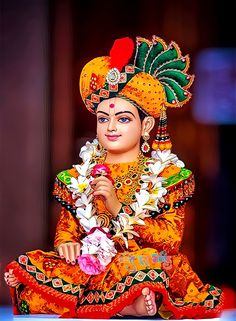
(82, 169)
(179, 163)
(136, 208)
(166, 157)
(158, 183)
(142, 197)
(159, 192)
(84, 200)
(88, 224)
(152, 203)
(119, 232)
(126, 229)
(156, 168)
(78, 185)
(132, 219)
(83, 183)
(87, 151)
(84, 212)
(73, 187)
(123, 219)
(144, 186)
(117, 226)
(153, 179)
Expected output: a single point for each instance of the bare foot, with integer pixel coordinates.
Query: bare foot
(144, 305)
(10, 279)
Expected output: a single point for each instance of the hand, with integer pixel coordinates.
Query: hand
(69, 251)
(103, 186)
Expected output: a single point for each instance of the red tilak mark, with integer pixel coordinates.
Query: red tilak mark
(112, 105)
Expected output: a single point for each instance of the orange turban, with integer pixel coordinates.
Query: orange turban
(154, 79)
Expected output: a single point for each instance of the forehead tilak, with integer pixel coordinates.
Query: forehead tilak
(112, 108)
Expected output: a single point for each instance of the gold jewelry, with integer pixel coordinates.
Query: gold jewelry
(145, 148)
(162, 140)
(99, 147)
(130, 178)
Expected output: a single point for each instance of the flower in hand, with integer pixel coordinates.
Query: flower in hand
(104, 189)
(102, 170)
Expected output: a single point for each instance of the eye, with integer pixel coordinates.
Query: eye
(102, 120)
(124, 120)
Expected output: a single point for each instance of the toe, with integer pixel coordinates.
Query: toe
(145, 291)
(148, 297)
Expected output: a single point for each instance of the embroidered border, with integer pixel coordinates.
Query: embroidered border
(55, 283)
(105, 297)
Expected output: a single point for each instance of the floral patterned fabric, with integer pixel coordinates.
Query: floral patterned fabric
(50, 285)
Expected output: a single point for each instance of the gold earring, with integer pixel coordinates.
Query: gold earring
(145, 148)
(162, 140)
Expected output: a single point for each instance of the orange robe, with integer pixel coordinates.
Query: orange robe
(50, 285)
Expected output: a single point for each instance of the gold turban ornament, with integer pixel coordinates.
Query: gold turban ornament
(154, 78)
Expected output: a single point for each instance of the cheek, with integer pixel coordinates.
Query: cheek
(133, 129)
(100, 128)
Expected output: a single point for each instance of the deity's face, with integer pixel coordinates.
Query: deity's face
(119, 127)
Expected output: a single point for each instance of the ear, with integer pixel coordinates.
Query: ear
(148, 124)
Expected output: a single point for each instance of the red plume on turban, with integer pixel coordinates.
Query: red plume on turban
(121, 52)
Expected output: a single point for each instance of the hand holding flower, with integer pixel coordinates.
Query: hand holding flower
(101, 170)
(103, 186)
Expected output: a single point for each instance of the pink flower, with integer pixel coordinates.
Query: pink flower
(89, 264)
(100, 169)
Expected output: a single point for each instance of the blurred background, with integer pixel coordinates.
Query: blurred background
(44, 45)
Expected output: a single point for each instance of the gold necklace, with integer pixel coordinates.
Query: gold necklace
(132, 178)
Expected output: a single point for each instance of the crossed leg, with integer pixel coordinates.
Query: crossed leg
(144, 305)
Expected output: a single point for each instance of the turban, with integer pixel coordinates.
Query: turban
(150, 74)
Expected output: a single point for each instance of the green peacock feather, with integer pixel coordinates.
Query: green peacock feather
(166, 64)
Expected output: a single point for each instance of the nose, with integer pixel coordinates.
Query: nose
(112, 125)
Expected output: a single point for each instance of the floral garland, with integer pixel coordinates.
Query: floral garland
(98, 246)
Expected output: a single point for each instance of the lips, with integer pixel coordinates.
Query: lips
(113, 138)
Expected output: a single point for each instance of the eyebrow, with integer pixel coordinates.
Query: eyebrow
(118, 113)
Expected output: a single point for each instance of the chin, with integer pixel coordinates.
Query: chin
(114, 150)
(112, 146)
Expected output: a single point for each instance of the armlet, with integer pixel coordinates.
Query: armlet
(180, 188)
(61, 192)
